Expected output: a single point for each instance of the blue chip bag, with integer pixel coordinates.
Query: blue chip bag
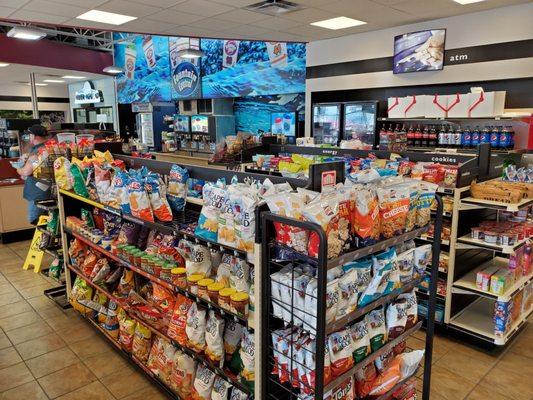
(177, 187)
(119, 190)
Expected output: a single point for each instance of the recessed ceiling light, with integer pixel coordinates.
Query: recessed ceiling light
(53, 80)
(22, 32)
(113, 69)
(72, 77)
(338, 23)
(106, 17)
(463, 2)
(38, 84)
(2, 65)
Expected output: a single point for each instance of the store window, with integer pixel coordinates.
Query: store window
(88, 115)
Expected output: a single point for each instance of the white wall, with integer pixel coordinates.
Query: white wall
(60, 91)
(494, 26)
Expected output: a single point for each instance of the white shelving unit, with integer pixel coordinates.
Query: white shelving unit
(474, 243)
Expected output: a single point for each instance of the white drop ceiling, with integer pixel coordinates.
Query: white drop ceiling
(19, 74)
(228, 19)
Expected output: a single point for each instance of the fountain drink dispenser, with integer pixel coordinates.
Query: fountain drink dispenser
(208, 130)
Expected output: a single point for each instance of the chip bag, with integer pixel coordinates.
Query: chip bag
(183, 373)
(141, 342)
(78, 181)
(177, 187)
(63, 175)
(139, 201)
(156, 190)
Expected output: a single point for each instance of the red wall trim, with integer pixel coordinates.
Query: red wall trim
(46, 53)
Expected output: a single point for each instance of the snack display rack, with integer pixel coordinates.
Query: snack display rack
(70, 204)
(294, 386)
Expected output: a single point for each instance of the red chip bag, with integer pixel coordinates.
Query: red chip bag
(364, 380)
(178, 321)
(386, 380)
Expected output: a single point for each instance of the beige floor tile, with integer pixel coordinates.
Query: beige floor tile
(482, 392)
(14, 376)
(7, 254)
(10, 298)
(93, 391)
(8, 357)
(66, 380)
(151, 392)
(40, 303)
(28, 391)
(4, 340)
(78, 331)
(125, 382)
(50, 312)
(106, 364)
(28, 332)
(14, 308)
(29, 282)
(7, 288)
(509, 382)
(448, 384)
(34, 291)
(51, 362)
(89, 347)
(36, 347)
(515, 362)
(17, 321)
(522, 344)
(64, 321)
(470, 367)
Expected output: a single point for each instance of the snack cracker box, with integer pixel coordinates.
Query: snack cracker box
(483, 277)
(500, 281)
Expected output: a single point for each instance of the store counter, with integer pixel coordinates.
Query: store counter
(201, 160)
(13, 208)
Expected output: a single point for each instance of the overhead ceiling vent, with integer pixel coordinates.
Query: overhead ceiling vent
(274, 7)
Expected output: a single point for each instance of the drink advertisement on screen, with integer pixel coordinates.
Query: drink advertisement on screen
(231, 52)
(130, 57)
(277, 53)
(186, 79)
(149, 53)
(199, 123)
(283, 123)
(181, 123)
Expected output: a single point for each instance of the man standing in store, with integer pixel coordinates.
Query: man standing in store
(34, 189)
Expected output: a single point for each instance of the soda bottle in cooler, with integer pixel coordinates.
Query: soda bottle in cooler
(425, 137)
(383, 138)
(418, 136)
(495, 137)
(442, 136)
(511, 136)
(433, 138)
(410, 137)
(457, 136)
(466, 138)
(484, 135)
(475, 137)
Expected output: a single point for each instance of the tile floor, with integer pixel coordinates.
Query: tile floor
(47, 353)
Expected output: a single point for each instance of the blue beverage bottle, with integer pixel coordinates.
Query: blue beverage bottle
(484, 136)
(511, 134)
(475, 137)
(466, 138)
(495, 138)
(505, 138)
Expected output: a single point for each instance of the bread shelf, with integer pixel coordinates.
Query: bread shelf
(498, 205)
(468, 281)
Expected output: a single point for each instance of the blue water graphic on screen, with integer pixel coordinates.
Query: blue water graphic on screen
(145, 59)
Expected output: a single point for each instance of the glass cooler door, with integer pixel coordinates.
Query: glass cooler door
(326, 123)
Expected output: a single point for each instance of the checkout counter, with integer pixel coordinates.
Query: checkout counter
(13, 208)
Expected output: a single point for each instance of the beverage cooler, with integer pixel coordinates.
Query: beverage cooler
(207, 131)
(327, 123)
(359, 122)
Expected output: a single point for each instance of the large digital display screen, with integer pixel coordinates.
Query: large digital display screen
(419, 51)
(199, 123)
(283, 123)
(182, 123)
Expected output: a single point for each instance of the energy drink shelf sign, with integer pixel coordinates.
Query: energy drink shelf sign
(186, 79)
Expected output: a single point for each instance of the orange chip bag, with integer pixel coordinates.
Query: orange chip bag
(386, 380)
(393, 208)
(163, 299)
(139, 201)
(178, 322)
(182, 376)
(157, 194)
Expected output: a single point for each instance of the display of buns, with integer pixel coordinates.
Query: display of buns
(498, 190)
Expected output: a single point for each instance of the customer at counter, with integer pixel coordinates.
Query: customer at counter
(34, 189)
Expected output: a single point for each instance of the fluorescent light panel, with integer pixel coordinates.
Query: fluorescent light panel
(38, 84)
(53, 80)
(338, 23)
(22, 32)
(2, 65)
(463, 2)
(106, 17)
(73, 77)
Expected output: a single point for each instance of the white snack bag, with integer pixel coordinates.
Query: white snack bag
(422, 259)
(203, 383)
(221, 389)
(214, 338)
(200, 260)
(406, 263)
(311, 305)
(195, 327)
(347, 293)
(300, 285)
(232, 337)
(240, 275)
(236, 394)
(247, 353)
(409, 362)
(332, 300)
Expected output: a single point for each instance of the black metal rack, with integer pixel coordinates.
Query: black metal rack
(271, 387)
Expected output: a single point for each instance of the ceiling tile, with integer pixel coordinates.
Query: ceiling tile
(424, 8)
(12, 3)
(236, 3)
(145, 25)
(241, 16)
(175, 17)
(276, 23)
(53, 8)
(246, 30)
(311, 3)
(368, 11)
(310, 31)
(89, 24)
(128, 8)
(214, 24)
(159, 3)
(387, 2)
(32, 16)
(185, 30)
(285, 37)
(486, 5)
(202, 7)
(89, 4)
(309, 15)
(5, 11)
